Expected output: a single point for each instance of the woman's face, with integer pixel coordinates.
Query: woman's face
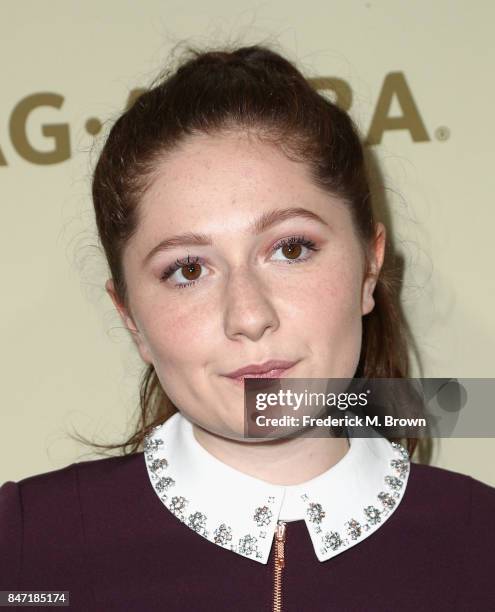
(244, 298)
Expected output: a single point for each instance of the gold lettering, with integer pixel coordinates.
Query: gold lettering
(133, 96)
(395, 84)
(58, 131)
(339, 87)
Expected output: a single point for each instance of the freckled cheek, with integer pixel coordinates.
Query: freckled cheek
(331, 294)
(328, 318)
(179, 333)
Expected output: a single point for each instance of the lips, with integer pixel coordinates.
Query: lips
(270, 369)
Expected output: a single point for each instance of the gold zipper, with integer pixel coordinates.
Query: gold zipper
(279, 557)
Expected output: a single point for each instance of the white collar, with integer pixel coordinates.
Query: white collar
(341, 507)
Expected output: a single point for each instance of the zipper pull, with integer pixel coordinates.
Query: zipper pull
(280, 541)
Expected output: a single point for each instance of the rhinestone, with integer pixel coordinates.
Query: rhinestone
(197, 522)
(353, 529)
(164, 484)
(152, 444)
(333, 540)
(177, 504)
(247, 545)
(387, 500)
(222, 534)
(271, 500)
(315, 513)
(393, 482)
(401, 466)
(158, 464)
(262, 534)
(373, 514)
(401, 449)
(262, 516)
(304, 497)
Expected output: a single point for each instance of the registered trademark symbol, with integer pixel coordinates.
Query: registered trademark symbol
(93, 126)
(442, 133)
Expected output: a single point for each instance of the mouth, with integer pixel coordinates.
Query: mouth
(275, 372)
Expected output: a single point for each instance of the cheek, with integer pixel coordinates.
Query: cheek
(328, 298)
(176, 335)
(327, 315)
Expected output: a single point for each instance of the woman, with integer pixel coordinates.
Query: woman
(234, 208)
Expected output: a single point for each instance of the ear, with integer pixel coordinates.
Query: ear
(377, 257)
(128, 322)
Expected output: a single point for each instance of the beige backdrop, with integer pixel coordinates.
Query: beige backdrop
(418, 78)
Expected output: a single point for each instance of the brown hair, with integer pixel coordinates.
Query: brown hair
(249, 88)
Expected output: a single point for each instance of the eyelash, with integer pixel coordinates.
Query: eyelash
(179, 263)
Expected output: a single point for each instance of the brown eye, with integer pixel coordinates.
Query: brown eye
(191, 271)
(291, 251)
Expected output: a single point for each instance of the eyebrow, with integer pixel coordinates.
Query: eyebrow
(260, 225)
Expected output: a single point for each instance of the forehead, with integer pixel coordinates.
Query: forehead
(226, 168)
(218, 185)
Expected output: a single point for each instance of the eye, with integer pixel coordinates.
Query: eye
(292, 247)
(189, 268)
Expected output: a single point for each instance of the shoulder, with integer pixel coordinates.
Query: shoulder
(448, 508)
(48, 488)
(37, 509)
(442, 482)
(447, 489)
(462, 509)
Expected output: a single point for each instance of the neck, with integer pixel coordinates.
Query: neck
(280, 462)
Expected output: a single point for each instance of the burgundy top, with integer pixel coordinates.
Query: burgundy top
(98, 530)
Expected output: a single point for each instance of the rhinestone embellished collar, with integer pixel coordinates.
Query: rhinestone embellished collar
(341, 507)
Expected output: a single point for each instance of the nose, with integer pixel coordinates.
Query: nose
(249, 310)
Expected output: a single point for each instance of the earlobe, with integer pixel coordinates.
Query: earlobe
(368, 301)
(369, 285)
